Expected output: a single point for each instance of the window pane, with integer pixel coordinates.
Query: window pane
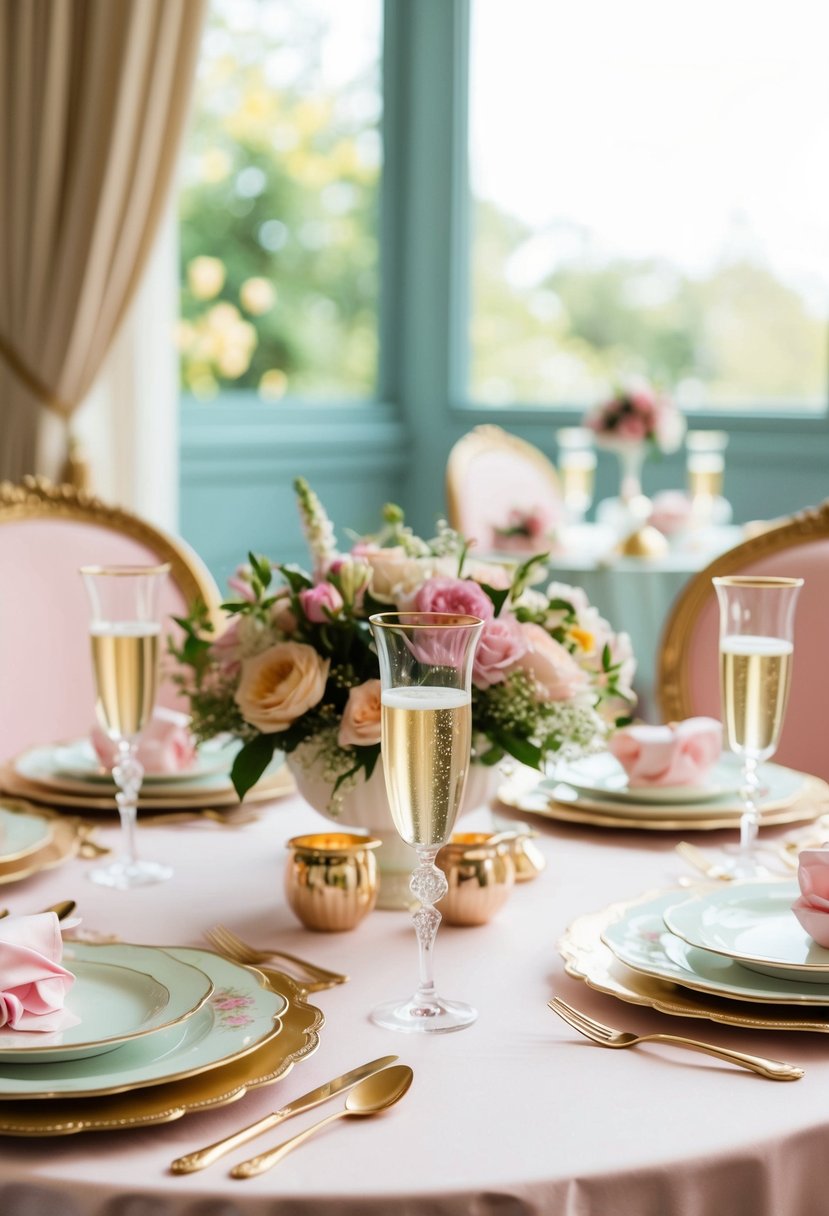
(279, 208)
(650, 194)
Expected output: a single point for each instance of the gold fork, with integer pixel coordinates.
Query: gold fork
(606, 1036)
(227, 943)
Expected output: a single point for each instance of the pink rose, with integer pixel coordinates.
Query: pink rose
(321, 602)
(282, 616)
(280, 685)
(458, 596)
(812, 906)
(165, 745)
(551, 665)
(360, 726)
(225, 650)
(501, 646)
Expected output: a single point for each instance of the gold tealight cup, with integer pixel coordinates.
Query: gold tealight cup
(331, 879)
(480, 872)
(527, 856)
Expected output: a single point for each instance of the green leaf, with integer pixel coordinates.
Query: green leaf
(563, 606)
(261, 567)
(497, 596)
(491, 756)
(607, 658)
(251, 762)
(296, 579)
(521, 749)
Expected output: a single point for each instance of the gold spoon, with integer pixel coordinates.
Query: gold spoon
(62, 909)
(368, 1098)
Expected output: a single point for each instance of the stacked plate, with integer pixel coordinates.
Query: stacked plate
(595, 791)
(70, 775)
(161, 1032)
(32, 840)
(736, 954)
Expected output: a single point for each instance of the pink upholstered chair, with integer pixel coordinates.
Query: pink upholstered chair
(689, 658)
(46, 533)
(491, 473)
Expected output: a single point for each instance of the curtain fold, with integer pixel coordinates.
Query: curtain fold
(93, 99)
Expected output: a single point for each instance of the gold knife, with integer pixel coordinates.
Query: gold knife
(191, 1162)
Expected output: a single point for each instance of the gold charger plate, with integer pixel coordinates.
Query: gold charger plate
(808, 804)
(587, 958)
(61, 845)
(163, 1103)
(277, 786)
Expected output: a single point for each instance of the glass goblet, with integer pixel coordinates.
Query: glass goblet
(756, 649)
(426, 697)
(125, 631)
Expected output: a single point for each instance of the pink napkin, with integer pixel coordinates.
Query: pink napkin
(166, 744)
(671, 512)
(33, 984)
(812, 906)
(681, 753)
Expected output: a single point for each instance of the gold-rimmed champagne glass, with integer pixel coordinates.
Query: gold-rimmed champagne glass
(125, 632)
(756, 651)
(426, 696)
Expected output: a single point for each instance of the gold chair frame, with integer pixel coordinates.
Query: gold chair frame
(673, 686)
(39, 498)
(487, 438)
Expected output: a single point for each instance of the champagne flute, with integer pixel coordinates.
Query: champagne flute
(426, 722)
(756, 648)
(125, 631)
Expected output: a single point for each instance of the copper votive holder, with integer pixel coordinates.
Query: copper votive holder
(331, 879)
(480, 872)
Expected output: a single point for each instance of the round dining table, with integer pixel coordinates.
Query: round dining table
(514, 1115)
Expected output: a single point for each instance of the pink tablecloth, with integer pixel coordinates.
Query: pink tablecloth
(515, 1115)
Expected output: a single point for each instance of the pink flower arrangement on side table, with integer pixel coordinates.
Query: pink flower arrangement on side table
(635, 416)
(296, 668)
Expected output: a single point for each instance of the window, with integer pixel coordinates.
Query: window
(279, 207)
(650, 194)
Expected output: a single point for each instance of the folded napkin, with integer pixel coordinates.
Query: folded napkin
(33, 984)
(671, 512)
(681, 753)
(166, 744)
(812, 906)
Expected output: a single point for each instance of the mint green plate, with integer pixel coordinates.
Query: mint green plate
(22, 832)
(137, 991)
(239, 1016)
(641, 940)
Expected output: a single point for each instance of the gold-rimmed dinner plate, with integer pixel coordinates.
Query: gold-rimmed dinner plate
(640, 939)
(277, 785)
(121, 992)
(163, 1103)
(23, 830)
(240, 1015)
(62, 844)
(587, 958)
(808, 804)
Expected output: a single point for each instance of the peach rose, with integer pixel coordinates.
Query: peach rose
(360, 726)
(553, 668)
(280, 685)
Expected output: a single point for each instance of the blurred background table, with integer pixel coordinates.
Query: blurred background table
(635, 593)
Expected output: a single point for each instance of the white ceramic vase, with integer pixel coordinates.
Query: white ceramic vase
(366, 808)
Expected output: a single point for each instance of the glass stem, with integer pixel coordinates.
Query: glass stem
(750, 818)
(428, 885)
(128, 773)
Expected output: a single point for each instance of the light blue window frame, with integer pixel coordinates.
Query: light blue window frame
(238, 457)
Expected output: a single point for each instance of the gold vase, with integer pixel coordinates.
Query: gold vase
(331, 879)
(480, 875)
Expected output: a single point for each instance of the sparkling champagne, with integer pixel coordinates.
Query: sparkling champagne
(427, 736)
(125, 658)
(755, 673)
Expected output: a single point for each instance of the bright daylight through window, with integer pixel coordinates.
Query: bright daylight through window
(650, 193)
(279, 206)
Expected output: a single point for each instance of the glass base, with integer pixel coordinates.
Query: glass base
(126, 874)
(424, 1017)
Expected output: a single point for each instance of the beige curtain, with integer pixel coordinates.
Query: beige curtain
(93, 99)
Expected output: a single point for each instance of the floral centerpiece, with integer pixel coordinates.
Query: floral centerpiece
(295, 668)
(636, 421)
